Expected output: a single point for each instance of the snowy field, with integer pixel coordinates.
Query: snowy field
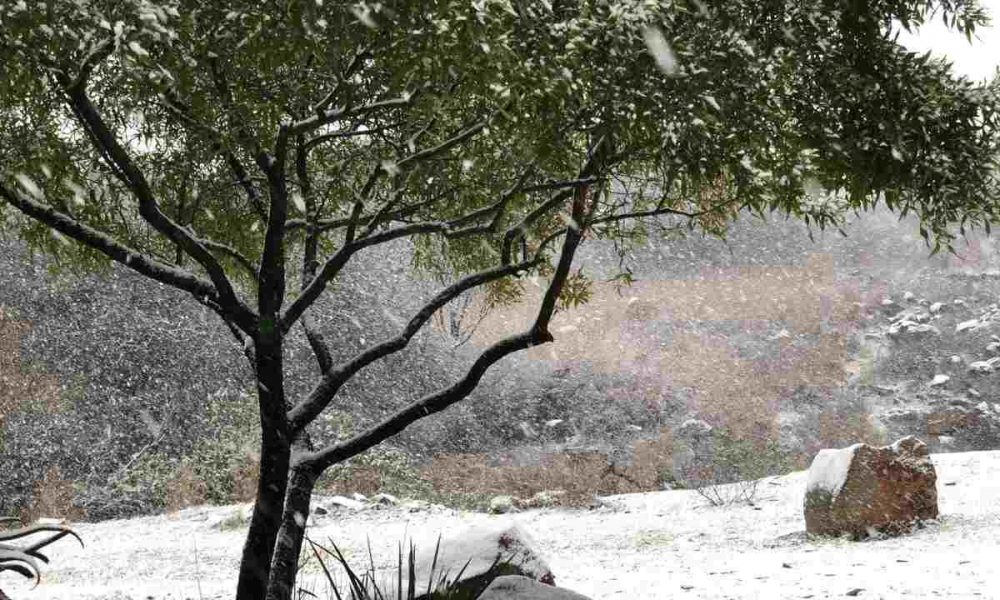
(638, 546)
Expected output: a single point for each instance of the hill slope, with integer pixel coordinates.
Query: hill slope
(654, 545)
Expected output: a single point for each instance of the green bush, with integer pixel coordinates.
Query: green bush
(146, 481)
(234, 438)
(218, 461)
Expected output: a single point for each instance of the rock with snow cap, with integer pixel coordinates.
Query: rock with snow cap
(862, 490)
(908, 327)
(939, 380)
(334, 503)
(384, 499)
(984, 367)
(516, 587)
(471, 560)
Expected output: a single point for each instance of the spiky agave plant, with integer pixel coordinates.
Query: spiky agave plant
(441, 585)
(24, 559)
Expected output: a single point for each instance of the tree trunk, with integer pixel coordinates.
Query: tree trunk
(272, 484)
(284, 566)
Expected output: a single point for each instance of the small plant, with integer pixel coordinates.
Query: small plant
(654, 539)
(24, 560)
(723, 494)
(368, 586)
(236, 520)
(733, 471)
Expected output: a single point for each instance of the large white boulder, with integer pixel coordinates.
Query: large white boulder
(471, 560)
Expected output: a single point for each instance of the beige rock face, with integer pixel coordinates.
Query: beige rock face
(863, 490)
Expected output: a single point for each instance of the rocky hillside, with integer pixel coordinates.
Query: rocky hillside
(120, 397)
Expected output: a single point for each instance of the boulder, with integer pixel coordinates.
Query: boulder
(334, 503)
(693, 428)
(862, 490)
(939, 380)
(515, 587)
(970, 325)
(695, 448)
(911, 329)
(918, 314)
(384, 499)
(983, 367)
(473, 559)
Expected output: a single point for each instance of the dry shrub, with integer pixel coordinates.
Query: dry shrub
(730, 471)
(359, 479)
(53, 497)
(580, 475)
(185, 489)
(245, 476)
(20, 389)
(802, 296)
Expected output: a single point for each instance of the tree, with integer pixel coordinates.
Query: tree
(245, 153)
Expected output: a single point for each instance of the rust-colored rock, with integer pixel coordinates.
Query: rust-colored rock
(862, 490)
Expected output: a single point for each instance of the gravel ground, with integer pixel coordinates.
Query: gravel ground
(638, 546)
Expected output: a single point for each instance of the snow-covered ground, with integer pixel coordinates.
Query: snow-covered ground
(655, 546)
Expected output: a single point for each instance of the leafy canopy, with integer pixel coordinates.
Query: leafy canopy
(244, 151)
(764, 105)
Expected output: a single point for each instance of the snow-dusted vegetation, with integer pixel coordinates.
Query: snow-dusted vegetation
(488, 256)
(644, 546)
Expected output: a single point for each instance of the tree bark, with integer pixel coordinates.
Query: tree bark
(272, 483)
(285, 564)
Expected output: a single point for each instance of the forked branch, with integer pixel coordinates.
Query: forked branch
(435, 402)
(321, 396)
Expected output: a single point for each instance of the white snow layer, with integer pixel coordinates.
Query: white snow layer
(637, 547)
(829, 469)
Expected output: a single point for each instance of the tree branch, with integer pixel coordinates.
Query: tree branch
(663, 210)
(117, 252)
(149, 209)
(586, 174)
(243, 135)
(521, 227)
(271, 287)
(451, 229)
(307, 410)
(232, 253)
(442, 399)
(336, 262)
(174, 104)
(320, 348)
(556, 185)
(324, 225)
(445, 145)
(334, 135)
(359, 56)
(98, 53)
(328, 116)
